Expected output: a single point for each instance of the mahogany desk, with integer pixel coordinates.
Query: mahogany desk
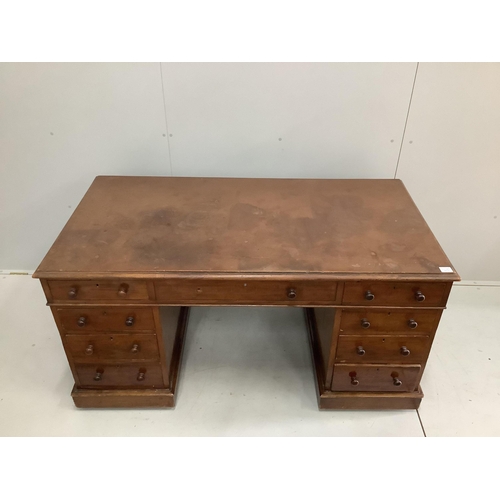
(355, 254)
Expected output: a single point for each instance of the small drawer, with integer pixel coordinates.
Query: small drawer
(111, 347)
(110, 376)
(98, 291)
(384, 293)
(246, 292)
(412, 349)
(389, 321)
(109, 319)
(373, 378)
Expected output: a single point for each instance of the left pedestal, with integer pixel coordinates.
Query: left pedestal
(122, 356)
(170, 341)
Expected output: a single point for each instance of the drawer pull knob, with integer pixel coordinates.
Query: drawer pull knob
(291, 293)
(82, 321)
(395, 379)
(90, 350)
(369, 295)
(123, 290)
(412, 323)
(354, 380)
(72, 292)
(98, 375)
(141, 375)
(130, 321)
(405, 351)
(365, 323)
(360, 350)
(135, 349)
(420, 297)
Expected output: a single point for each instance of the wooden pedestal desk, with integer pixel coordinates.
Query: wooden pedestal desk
(356, 255)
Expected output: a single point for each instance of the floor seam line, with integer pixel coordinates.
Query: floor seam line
(421, 424)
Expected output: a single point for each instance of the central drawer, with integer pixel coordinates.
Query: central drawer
(246, 292)
(388, 378)
(97, 376)
(93, 319)
(111, 347)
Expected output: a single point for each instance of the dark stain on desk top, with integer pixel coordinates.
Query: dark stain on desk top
(223, 225)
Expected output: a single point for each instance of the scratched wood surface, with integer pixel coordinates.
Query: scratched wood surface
(141, 225)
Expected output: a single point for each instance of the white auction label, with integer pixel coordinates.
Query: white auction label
(446, 269)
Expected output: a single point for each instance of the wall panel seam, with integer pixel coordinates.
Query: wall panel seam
(166, 120)
(406, 120)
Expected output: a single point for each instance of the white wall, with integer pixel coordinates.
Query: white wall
(62, 124)
(334, 120)
(450, 162)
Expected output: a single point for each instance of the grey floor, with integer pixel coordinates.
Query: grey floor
(248, 372)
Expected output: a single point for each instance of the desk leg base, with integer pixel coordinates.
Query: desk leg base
(123, 398)
(328, 400)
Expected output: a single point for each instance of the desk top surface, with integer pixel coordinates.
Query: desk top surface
(155, 226)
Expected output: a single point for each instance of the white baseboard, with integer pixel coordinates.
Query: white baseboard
(477, 283)
(16, 271)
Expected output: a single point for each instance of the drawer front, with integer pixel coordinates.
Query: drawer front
(383, 349)
(111, 347)
(374, 378)
(249, 292)
(366, 293)
(94, 319)
(98, 291)
(96, 376)
(368, 321)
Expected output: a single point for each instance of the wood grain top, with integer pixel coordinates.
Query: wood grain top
(156, 226)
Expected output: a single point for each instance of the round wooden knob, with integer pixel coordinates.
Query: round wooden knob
(405, 351)
(354, 380)
(412, 323)
(123, 290)
(72, 292)
(360, 351)
(369, 295)
(291, 293)
(130, 321)
(141, 375)
(395, 379)
(82, 321)
(419, 296)
(135, 349)
(90, 350)
(98, 375)
(365, 323)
